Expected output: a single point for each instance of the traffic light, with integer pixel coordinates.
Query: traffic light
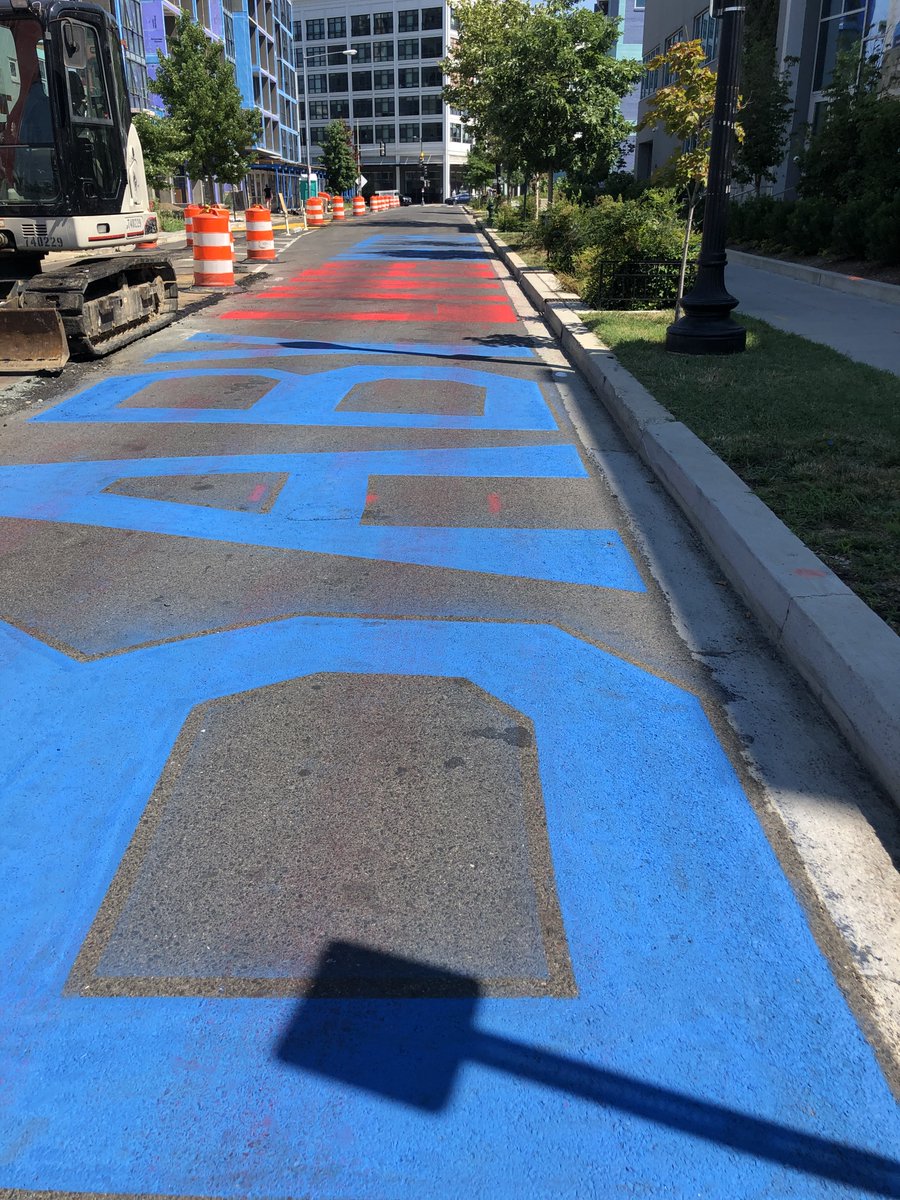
(421, 156)
(381, 149)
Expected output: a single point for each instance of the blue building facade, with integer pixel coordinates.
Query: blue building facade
(629, 45)
(256, 39)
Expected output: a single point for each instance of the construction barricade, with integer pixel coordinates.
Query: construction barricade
(190, 212)
(337, 208)
(260, 238)
(359, 206)
(213, 250)
(315, 212)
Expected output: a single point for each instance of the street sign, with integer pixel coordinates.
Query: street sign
(361, 181)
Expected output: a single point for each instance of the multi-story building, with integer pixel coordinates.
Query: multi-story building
(127, 15)
(376, 65)
(810, 34)
(665, 23)
(256, 38)
(630, 44)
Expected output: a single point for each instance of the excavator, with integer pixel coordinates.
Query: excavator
(71, 179)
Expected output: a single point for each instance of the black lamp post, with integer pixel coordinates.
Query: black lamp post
(707, 327)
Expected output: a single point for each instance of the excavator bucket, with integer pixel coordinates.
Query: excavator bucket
(32, 339)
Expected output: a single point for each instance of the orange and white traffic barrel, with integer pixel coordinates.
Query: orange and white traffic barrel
(359, 206)
(190, 212)
(213, 250)
(337, 208)
(315, 211)
(260, 238)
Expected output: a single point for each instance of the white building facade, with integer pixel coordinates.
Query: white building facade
(376, 66)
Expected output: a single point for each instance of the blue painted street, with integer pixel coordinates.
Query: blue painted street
(367, 829)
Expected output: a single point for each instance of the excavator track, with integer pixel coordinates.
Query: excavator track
(108, 302)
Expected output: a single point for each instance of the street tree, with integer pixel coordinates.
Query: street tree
(163, 144)
(540, 82)
(197, 86)
(481, 169)
(684, 108)
(338, 158)
(767, 107)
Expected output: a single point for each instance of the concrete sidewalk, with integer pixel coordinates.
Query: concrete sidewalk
(864, 329)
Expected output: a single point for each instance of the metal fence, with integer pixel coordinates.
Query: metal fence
(636, 285)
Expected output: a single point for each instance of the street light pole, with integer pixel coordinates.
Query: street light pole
(707, 327)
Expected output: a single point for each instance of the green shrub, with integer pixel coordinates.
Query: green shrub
(560, 233)
(621, 236)
(883, 232)
(809, 225)
(508, 217)
(849, 233)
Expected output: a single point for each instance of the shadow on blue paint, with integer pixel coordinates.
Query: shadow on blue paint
(410, 1050)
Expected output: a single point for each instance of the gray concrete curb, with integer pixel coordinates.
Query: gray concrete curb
(846, 654)
(872, 289)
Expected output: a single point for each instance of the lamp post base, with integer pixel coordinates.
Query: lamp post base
(702, 335)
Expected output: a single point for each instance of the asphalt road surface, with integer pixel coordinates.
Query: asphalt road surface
(371, 824)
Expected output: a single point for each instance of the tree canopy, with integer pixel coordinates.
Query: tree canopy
(539, 81)
(162, 142)
(196, 83)
(767, 109)
(338, 158)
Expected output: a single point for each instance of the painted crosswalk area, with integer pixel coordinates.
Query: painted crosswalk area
(367, 832)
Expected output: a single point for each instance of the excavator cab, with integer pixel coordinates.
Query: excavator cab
(72, 178)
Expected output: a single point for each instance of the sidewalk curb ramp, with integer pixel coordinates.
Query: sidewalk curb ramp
(847, 655)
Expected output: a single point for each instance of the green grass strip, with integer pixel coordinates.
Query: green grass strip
(816, 435)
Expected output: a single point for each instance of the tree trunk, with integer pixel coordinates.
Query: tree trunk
(525, 196)
(692, 204)
(549, 189)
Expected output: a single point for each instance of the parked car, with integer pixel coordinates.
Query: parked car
(463, 197)
(449, 199)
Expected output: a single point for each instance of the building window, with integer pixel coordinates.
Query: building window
(432, 77)
(409, 131)
(432, 131)
(383, 80)
(228, 29)
(337, 27)
(365, 135)
(298, 30)
(340, 110)
(315, 56)
(433, 47)
(362, 108)
(672, 40)
(318, 110)
(337, 56)
(454, 20)
(338, 82)
(408, 20)
(316, 133)
(362, 81)
(456, 133)
(363, 52)
(383, 22)
(706, 31)
(432, 18)
(361, 25)
(408, 77)
(408, 48)
(650, 79)
(315, 30)
(837, 32)
(384, 133)
(318, 84)
(384, 106)
(639, 5)
(431, 106)
(409, 106)
(383, 51)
